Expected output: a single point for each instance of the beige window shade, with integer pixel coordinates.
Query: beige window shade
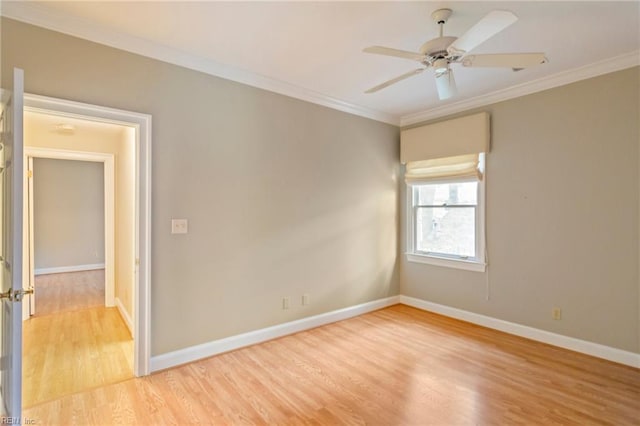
(459, 167)
(450, 138)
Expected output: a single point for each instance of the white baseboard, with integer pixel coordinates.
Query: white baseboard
(193, 353)
(594, 349)
(61, 269)
(125, 316)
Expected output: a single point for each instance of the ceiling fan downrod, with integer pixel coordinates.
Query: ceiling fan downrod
(441, 16)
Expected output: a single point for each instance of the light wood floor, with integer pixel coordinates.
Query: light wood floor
(74, 346)
(69, 291)
(395, 366)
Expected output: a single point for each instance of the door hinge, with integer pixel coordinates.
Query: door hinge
(16, 295)
(29, 173)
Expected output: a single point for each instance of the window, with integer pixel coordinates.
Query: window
(446, 220)
(445, 191)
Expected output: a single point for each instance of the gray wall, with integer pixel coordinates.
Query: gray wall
(68, 199)
(562, 216)
(283, 197)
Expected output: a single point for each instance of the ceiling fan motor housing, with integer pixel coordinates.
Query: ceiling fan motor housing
(437, 48)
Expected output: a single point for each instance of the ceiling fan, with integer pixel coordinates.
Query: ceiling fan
(441, 52)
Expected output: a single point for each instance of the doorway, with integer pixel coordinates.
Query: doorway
(135, 301)
(52, 148)
(79, 232)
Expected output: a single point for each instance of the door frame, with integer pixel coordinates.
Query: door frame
(109, 213)
(141, 123)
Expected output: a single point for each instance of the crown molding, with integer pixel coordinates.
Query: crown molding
(32, 14)
(606, 66)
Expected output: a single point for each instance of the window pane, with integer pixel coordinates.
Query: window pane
(449, 193)
(443, 230)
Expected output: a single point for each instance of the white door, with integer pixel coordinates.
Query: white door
(11, 247)
(29, 304)
(27, 245)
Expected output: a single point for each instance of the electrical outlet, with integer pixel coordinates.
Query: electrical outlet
(556, 314)
(305, 299)
(285, 303)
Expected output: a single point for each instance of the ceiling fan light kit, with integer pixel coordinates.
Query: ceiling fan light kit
(440, 66)
(443, 51)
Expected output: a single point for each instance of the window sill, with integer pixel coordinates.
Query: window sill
(448, 263)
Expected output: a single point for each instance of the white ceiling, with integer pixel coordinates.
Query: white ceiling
(313, 50)
(46, 123)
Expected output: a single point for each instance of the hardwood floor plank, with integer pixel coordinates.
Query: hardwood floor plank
(68, 291)
(73, 351)
(396, 366)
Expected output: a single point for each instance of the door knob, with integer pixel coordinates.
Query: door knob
(16, 295)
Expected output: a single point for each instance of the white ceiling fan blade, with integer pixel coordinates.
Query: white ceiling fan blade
(387, 51)
(395, 80)
(504, 60)
(446, 85)
(487, 27)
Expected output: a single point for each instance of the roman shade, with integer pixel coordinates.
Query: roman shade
(449, 149)
(450, 138)
(459, 167)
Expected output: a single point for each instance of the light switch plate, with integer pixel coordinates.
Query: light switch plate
(179, 226)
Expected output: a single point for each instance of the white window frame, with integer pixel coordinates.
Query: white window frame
(477, 264)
